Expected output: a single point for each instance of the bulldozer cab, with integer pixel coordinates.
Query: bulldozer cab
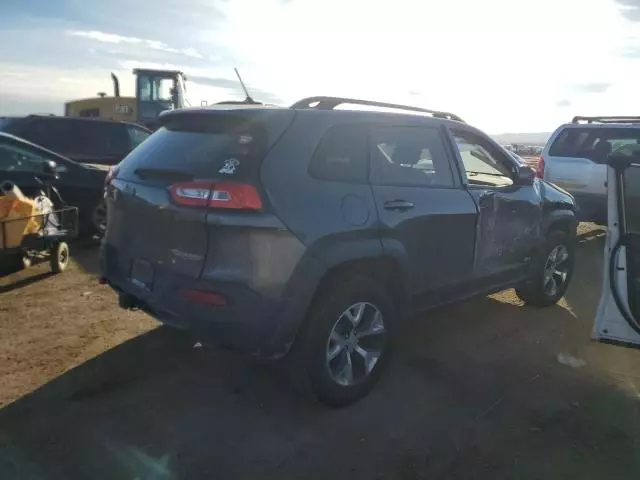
(157, 91)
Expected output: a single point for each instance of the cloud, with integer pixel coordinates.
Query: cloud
(596, 87)
(630, 9)
(631, 51)
(23, 105)
(105, 37)
(256, 93)
(120, 39)
(290, 49)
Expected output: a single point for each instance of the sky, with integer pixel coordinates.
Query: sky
(501, 65)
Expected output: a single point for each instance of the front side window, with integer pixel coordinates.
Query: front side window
(483, 163)
(409, 156)
(17, 159)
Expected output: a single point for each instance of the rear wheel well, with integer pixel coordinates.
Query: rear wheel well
(384, 270)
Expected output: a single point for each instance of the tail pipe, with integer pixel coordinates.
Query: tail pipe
(116, 85)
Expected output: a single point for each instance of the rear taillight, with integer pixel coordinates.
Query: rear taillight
(238, 196)
(540, 168)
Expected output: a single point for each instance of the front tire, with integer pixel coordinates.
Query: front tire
(346, 342)
(552, 272)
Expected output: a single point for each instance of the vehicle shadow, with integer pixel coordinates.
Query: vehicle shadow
(476, 391)
(22, 282)
(13, 276)
(85, 255)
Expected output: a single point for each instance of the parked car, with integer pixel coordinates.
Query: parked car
(85, 140)
(80, 185)
(312, 232)
(575, 158)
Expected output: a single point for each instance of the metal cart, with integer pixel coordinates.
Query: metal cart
(49, 242)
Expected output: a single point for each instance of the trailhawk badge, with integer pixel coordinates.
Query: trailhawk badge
(230, 166)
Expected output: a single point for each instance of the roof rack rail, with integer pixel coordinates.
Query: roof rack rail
(618, 119)
(329, 103)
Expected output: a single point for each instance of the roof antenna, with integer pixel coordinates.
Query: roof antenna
(248, 98)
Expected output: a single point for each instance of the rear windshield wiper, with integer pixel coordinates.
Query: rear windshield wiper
(162, 174)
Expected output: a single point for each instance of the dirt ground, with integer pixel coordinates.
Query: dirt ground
(485, 389)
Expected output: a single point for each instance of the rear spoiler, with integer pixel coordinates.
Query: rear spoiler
(618, 119)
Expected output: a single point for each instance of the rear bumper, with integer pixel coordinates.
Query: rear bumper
(591, 207)
(250, 321)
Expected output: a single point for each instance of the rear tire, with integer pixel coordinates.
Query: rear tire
(59, 257)
(552, 272)
(345, 344)
(99, 218)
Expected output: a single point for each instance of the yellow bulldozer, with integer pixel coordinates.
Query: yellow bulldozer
(156, 91)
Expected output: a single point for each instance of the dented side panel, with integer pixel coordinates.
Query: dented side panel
(508, 228)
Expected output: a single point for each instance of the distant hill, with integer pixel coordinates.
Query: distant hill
(522, 138)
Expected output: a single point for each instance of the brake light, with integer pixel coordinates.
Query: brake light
(238, 196)
(540, 168)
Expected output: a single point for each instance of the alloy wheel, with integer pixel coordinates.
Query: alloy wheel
(556, 270)
(355, 344)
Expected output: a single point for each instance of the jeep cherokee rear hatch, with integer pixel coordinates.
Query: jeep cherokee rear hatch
(160, 197)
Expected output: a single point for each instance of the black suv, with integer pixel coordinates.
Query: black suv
(312, 231)
(85, 140)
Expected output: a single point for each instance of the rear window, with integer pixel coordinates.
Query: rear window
(136, 135)
(593, 143)
(207, 146)
(4, 122)
(77, 137)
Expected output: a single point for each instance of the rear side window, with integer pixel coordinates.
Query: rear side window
(136, 135)
(207, 146)
(411, 156)
(78, 137)
(592, 143)
(100, 138)
(4, 122)
(341, 155)
(50, 133)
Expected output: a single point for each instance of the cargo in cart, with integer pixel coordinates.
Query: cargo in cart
(35, 229)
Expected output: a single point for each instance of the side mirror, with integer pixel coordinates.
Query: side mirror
(525, 175)
(49, 167)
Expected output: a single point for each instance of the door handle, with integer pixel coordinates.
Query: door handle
(398, 205)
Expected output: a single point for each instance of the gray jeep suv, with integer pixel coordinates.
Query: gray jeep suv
(312, 231)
